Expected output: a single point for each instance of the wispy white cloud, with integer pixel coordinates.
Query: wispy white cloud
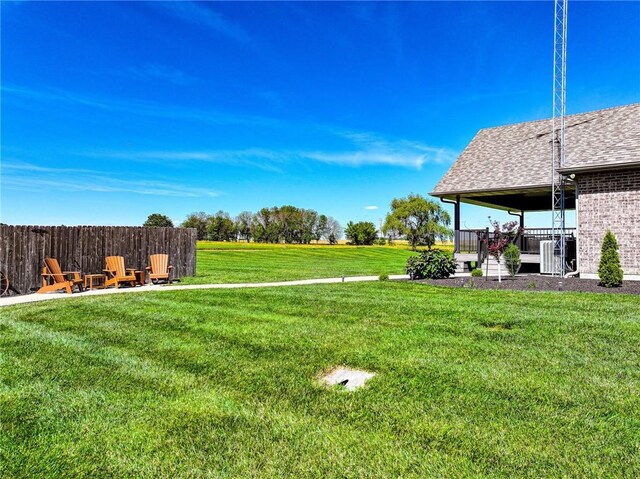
(205, 16)
(266, 160)
(362, 149)
(151, 71)
(29, 177)
(406, 159)
(356, 148)
(11, 164)
(372, 149)
(171, 112)
(412, 155)
(371, 208)
(365, 149)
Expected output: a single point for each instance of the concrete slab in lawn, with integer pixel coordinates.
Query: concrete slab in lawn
(351, 379)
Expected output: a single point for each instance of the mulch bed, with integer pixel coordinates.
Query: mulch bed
(536, 283)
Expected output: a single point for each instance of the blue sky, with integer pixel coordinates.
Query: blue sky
(112, 111)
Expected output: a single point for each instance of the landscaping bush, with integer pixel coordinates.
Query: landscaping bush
(432, 264)
(511, 257)
(609, 270)
(383, 277)
(380, 242)
(476, 273)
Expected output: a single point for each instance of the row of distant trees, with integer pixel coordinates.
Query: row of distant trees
(420, 221)
(284, 224)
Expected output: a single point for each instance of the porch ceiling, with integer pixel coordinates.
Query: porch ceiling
(530, 199)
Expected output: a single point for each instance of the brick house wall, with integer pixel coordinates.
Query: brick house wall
(609, 200)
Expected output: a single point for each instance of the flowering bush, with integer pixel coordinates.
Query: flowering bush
(502, 236)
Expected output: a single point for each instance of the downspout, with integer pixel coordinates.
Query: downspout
(575, 273)
(456, 221)
(519, 215)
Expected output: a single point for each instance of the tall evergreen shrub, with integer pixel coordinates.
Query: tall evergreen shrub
(610, 271)
(511, 258)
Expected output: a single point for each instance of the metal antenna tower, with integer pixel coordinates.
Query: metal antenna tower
(558, 134)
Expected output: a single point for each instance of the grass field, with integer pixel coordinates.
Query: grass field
(222, 384)
(219, 262)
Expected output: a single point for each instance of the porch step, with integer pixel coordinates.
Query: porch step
(492, 265)
(490, 262)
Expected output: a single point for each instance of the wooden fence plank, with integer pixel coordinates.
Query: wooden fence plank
(23, 249)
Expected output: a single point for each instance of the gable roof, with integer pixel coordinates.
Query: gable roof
(518, 157)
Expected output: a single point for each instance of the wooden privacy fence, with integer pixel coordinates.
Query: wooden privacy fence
(84, 248)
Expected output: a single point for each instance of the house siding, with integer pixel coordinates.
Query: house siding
(609, 200)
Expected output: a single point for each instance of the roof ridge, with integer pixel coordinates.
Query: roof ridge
(573, 115)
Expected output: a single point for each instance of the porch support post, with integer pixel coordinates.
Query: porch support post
(456, 225)
(522, 219)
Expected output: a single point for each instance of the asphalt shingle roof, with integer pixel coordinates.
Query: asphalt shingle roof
(519, 156)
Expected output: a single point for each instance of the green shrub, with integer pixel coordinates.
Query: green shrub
(361, 233)
(383, 277)
(432, 264)
(511, 256)
(609, 270)
(476, 273)
(380, 242)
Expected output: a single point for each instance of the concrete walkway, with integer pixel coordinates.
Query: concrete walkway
(32, 298)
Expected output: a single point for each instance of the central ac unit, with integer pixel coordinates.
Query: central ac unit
(549, 263)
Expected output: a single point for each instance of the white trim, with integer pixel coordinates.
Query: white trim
(578, 261)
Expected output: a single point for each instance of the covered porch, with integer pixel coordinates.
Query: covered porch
(470, 245)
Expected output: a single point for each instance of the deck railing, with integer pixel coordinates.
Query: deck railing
(473, 241)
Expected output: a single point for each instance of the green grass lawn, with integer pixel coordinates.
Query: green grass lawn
(222, 384)
(255, 262)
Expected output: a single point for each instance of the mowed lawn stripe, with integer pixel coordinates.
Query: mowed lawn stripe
(222, 384)
(242, 262)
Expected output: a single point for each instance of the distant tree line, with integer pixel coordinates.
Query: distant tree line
(420, 221)
(284, 224)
